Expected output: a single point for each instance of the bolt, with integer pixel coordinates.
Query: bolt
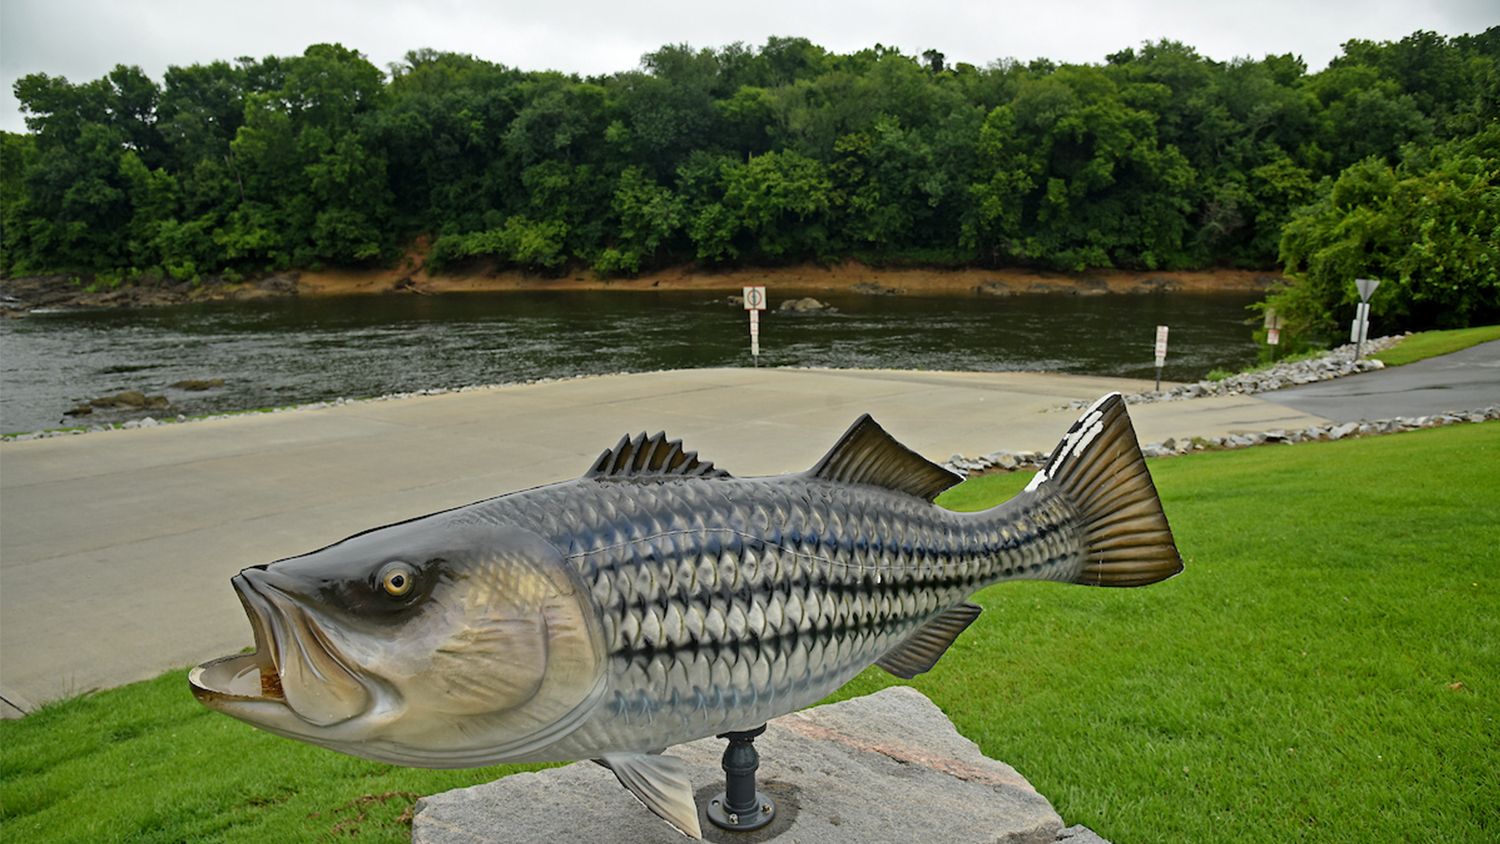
(733, 818)
(765, 808)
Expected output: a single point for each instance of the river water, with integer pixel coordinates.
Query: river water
(293, 351)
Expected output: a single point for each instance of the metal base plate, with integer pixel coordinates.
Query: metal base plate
(765, 810)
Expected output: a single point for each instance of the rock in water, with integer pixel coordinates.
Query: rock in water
(804, 305)
(886, 767)
(132, 399)
(198, 384)
(281, 283)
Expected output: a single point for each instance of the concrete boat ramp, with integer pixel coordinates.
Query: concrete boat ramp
(116, 548)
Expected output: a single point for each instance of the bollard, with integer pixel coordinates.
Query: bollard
(740, 807)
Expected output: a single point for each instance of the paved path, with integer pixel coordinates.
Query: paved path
(116, 548)
(1465, 380)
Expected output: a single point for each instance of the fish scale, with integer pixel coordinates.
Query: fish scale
(689, 606)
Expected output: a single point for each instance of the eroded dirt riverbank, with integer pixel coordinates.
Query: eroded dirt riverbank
(848, 276)
(22, 295)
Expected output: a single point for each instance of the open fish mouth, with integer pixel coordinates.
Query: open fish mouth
(239, 677)
(243, 677)
(293, 664)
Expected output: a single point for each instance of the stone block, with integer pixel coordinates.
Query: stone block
(885, 767)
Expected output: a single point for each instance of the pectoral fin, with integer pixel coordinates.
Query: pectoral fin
(924, 648)
(660, 782)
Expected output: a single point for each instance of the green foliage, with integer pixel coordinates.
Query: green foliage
(1304, 644)
(527, 243)
(17, 155)
(249, 166)
(887, 184)
(1079, 179)
(1428, 228)
(648, 216)
(1156, 158)
(781, 201)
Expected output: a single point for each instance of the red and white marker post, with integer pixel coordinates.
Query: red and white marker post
(755, 302)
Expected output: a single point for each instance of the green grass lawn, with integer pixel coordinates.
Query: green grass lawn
(1429, 344)
(1326, 669)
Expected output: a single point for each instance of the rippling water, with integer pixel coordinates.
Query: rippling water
(294, 351)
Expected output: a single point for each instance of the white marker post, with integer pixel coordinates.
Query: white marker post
(1360, 329)
(755, 302)
(1161, 353)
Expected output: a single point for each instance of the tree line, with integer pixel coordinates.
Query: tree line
(1156, 158)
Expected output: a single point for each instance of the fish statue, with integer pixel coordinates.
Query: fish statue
(658, 599)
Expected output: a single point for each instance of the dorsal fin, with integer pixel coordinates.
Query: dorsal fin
(651, 457)
(866, 454)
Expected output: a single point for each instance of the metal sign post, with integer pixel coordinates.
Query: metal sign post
(1161, 352)
(1360, 330)
(755, 302)
(1273, 327)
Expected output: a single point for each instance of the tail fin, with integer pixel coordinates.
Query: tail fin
(1099, 468)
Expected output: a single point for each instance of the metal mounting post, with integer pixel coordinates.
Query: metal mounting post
(740, 807)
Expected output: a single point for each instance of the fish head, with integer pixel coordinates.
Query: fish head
(445, 641)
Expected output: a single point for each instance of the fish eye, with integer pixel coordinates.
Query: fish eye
(397, 579)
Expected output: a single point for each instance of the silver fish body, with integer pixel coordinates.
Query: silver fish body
(657, 600)
(726, 602)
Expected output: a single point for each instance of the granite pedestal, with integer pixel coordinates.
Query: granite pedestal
(886, 767)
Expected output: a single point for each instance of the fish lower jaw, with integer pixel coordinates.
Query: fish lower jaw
(240, 677)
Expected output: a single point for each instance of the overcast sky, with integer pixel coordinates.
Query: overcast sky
(83, 39)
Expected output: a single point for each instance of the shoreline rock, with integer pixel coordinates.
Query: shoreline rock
(20, 297)
(126, 400)
(197, 385)
(806, 304)
(1011, 461)
(1336, 363)
(98, 428)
